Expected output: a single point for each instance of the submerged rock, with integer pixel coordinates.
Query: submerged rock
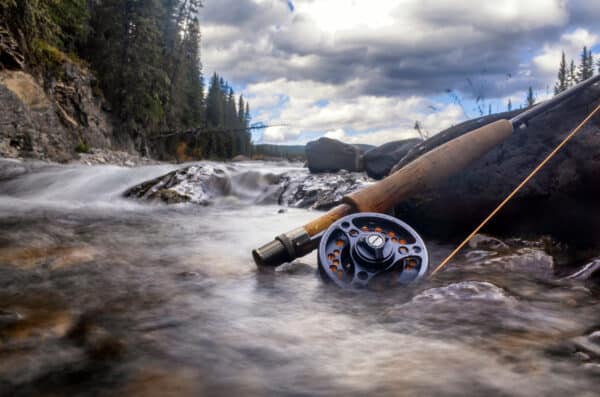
(197, 184)
(481, 241)
(464, 291)
(379, 161)
(489, 252)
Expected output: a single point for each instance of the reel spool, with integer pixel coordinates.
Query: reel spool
(367, 247)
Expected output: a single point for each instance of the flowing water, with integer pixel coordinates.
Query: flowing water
(105, 296)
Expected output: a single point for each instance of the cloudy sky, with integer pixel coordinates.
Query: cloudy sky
(365, 70)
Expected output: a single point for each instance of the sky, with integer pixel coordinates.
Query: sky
(364, 71)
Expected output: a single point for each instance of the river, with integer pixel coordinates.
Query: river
(106, 296)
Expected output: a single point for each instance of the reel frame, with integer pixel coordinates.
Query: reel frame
(363, 247)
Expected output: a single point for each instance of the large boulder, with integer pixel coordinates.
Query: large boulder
(379, 161)
(330, 155)
(198, 184)
(562, 200)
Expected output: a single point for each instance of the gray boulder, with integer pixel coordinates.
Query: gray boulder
(321, 191)
(379, 161)
(561, 201)
(330, 155)
(197, 184)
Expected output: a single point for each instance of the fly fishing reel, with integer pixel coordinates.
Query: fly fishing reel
(367, 248)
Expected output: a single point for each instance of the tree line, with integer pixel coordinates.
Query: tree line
(570, 75)
(146, 56)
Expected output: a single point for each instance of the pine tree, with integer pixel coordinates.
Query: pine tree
(572, 74)
(563, 79)
(586, 67)
(247, 117)
(241, 111)
(530, 97)
(214, 106)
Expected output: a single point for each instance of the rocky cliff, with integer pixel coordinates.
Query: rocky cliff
(49, 117)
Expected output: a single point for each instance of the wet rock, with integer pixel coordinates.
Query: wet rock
(330, 155)
(379, 161)
(321, 191)
(520, 260)
(582, 356)
(560, 201)
(464, 291)
(197, 184)
(588, 272)
(589, 344)
(298, 268)
(482, 241)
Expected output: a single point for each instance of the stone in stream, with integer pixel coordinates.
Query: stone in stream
(482, 241)
(379, 161)
(561, 201)
(492, 253)
(589, 344)
(197, 184)
(321, 191)
(588, 272)
(331, 155)
(464, 291)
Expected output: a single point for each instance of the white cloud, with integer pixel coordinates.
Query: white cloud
(391, 118)
(364, 71)
(571, 43)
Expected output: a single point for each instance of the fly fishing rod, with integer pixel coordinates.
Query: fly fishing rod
(357, 242)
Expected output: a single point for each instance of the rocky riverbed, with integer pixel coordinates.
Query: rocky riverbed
(102, 294)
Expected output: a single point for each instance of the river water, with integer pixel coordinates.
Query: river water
(106, 296)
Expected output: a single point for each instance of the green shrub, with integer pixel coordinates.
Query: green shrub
(83, 148)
